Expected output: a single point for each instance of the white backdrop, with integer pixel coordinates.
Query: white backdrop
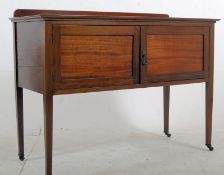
(116, 112)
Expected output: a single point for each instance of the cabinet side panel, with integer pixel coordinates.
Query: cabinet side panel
(30, 48)
(30, 78)
(30, 43)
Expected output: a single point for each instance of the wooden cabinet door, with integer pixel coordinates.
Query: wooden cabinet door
(171, 53)
(95, 56)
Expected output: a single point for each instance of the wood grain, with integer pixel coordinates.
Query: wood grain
(125, 87)
(80, 30)
(96, 56)
(88, 56)
(170, 54)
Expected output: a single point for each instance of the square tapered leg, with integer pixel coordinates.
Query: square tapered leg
(209, 106)
(166, 105)
(48, 128)
(20, 129)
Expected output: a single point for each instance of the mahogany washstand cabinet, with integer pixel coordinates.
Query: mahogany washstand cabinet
(63, 52)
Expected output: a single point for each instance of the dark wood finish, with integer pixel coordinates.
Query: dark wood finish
(63, 52)
(123, 87)
(20, 129)
(30, 78)
(48, 99)
(31, 14)
(171, 54)
(89, 14)
(111, 56)
(89, 56)
(30, 43)
(174, 51)
(48, 128)
(18, 100)
(30, 46)
(209, 91)
(166, 105)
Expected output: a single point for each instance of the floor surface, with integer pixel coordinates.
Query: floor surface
(112, 150)
(135, 154)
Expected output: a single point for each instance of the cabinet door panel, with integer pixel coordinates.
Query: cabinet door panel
(91, 56)
(169, 54)
(96, 56)
(174, 53)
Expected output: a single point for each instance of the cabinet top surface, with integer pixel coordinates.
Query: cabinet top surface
(30, 14)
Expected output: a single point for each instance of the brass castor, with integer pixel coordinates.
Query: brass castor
(21, 157)
(167, 134)
(210, 147)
